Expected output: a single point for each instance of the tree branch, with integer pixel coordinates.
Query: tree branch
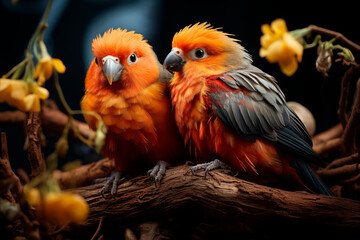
(341, 168)
(331, 133)
(7, 172)
(344, 95)
(85, 174)
(35, 155)
(16, 118)
(348, 145)
(223, 197)
(326, 147)
(327, 141)
(53, 121)
(337, 35)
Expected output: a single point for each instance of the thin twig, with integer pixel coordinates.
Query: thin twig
(58, 230)
(323, 148)
(7, 170)
(336, 35)
(98, 228)
(343, 161)
(351, 180)
(4, 148)
(344, 96)
(340, 173)
(331, 133)
(341, 168)
(348, 145)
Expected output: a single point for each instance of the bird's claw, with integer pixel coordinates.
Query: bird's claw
(158, 171)
(215, 164)
(112, 180)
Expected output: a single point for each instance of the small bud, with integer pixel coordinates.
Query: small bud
(347, 55)
(324, 60)
(62, 146)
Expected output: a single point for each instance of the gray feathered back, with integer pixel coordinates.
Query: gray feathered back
(261, 110)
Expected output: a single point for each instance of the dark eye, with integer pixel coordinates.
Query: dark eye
(132, 59)
(96, 61)
(198, 53)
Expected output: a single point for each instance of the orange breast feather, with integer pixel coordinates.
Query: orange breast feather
(138, 127)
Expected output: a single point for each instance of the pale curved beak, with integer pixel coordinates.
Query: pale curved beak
(112, 68)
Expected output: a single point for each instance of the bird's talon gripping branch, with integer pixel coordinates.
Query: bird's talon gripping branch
(158, 171)
(113, 180)
(216, 164)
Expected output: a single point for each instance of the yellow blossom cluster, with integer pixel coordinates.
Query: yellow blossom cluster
(279, 46)
(22, 95)
(26, 95)
(44, 69)
(57, 207)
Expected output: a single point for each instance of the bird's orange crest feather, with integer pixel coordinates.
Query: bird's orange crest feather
(115, 40)
(202, 35)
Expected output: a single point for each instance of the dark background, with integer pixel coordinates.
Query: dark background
(73, 25)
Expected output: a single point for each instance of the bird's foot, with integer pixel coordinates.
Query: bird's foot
(113, 180)
(210, 166)
(158, 171)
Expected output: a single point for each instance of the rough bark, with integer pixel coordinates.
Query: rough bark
(348, 143)
(6, 173)
(35, 155)
(344, 94)
(85, 174)
(224, 197)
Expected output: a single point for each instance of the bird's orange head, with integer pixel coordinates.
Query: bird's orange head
(124, 62)
(206, 50)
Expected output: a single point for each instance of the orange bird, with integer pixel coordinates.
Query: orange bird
(127, 86)
(231, 111)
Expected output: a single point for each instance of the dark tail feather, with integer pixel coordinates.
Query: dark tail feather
(310, 179)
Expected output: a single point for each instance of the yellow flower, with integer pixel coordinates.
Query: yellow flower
(61, 208)
(24, 96)
(44, 69)
(278, 45)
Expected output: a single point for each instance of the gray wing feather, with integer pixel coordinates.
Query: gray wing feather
(261, 112)
(264, 99)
